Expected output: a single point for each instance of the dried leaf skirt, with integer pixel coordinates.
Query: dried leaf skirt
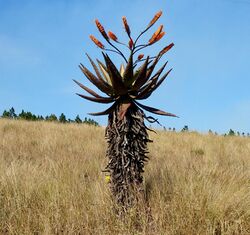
(127, 148)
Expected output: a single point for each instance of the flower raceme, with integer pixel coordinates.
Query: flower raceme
(140, 56)
(96, 41)
(112, 36)
(157, 35)
(101, 29)
(156, 17)
(126, 26)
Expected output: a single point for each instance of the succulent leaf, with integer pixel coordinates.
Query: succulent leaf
(115, 77)
(97, 71)
(87, 89)
(153, 87)
(144, 91)
(151, 68)
(154, 110)
(122, 70)
(97, 82)
(128, 73)
(154, 79)
(141, 78)
(103, 100)
(161, 80)
(104, 71)
(105, 112)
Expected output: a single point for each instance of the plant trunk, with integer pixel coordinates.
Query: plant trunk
(127, 148)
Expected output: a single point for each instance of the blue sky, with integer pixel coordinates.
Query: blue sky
(42, 43)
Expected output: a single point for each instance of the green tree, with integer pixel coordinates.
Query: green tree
(78, 119)
(22, 115)
(185, 129)
(40, 118)
(12, 113)
(6, 114)
(90, 121)
(27, 116)
(51, 118)
(62, 118)
(231, 133)
(9, 114)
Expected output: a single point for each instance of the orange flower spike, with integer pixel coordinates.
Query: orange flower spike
(101, 29)
(140, 56)
(155, 35)
(166, 49)
(159, 36)
(112, 36)
(126, 26)
(96, 41)
(131, 44)
(156, 17)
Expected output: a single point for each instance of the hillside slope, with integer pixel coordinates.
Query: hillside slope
(51, 183)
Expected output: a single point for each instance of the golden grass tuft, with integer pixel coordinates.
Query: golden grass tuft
(51, 183)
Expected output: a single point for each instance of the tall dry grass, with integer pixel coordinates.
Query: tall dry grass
(51, 183)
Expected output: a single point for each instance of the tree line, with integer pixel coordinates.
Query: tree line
(230, 132)
(11, 114)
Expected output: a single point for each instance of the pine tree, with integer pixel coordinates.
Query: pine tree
(62, 118)
(52, 118)
(78, 119)
(9, 114)
(12, 113)
(185, 129)
(231, 133)
(6, 114)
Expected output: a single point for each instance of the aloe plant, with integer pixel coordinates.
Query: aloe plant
(126, 132)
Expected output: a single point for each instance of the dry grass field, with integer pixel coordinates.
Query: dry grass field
(51, 183)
